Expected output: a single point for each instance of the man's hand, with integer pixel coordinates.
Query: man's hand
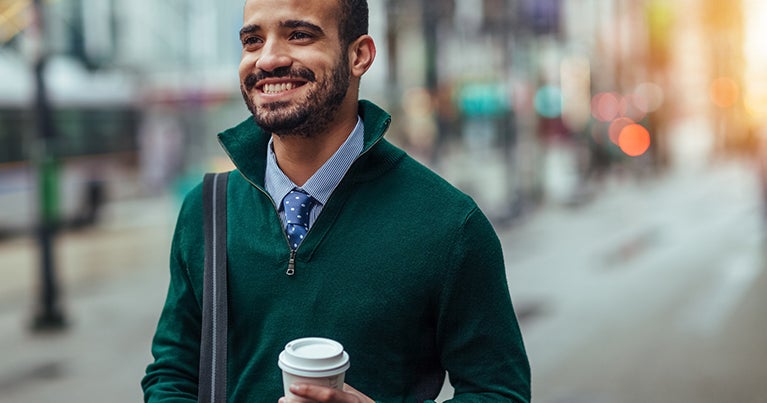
(308, 393)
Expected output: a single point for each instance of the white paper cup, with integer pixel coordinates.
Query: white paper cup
(313, 360)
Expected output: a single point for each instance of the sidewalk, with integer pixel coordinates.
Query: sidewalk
(113, 280)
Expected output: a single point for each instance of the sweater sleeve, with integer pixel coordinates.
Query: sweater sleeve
(480, 340)
(172, 377)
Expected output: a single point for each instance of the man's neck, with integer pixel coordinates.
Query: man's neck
(300, 157)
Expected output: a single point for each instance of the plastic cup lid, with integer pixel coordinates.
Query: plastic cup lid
(314, 357)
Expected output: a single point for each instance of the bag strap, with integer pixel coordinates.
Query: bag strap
(213, 346)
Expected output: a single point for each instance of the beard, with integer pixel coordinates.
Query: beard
(309, 117)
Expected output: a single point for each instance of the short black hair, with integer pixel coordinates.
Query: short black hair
(353, 20)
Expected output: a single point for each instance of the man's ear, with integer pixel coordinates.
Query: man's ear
(362, 52)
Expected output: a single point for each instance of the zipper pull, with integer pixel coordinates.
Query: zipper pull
(291, 263)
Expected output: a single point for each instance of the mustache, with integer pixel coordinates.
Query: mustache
(282, 72)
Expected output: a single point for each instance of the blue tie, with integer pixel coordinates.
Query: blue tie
(297, 207)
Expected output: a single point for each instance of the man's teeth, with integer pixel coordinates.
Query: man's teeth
(277, 88)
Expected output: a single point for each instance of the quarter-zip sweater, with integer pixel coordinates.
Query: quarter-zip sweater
(400, 267)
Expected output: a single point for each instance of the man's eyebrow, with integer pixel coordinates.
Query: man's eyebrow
(302, 24)
(249, 29)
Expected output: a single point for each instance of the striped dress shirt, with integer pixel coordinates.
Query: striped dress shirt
(321, 185)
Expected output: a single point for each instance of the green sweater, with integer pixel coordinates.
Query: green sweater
(400, 267)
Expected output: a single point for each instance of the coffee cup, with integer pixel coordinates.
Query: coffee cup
(313, 360)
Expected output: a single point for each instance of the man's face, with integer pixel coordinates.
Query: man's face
(293, 73)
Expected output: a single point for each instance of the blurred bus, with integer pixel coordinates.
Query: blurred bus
(95, 144)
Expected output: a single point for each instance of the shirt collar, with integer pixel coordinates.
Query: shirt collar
(321, 185)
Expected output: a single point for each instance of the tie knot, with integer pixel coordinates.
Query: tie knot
(297, 206)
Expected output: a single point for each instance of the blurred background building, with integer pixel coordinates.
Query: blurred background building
(523, 104)
(534, 93)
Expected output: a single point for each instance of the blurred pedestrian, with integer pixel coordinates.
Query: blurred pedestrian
(397, 265)
(161, 142)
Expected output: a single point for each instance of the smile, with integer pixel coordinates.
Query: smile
(277, 88)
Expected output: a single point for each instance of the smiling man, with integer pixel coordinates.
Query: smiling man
(393, 262)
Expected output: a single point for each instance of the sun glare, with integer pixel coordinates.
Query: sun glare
(755, 52)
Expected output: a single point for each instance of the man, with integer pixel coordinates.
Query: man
(397, 265)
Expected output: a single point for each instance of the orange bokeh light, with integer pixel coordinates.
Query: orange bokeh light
(634, 140)
(724, 92)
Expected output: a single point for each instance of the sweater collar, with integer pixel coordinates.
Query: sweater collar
(246, 143)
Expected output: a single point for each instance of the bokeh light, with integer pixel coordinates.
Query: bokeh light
(634, 107)
(606, 106)
(724, 92)
(548, 101)
(609, 106)
(634, 140)
(616, 127)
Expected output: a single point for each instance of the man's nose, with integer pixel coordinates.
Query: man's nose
(274, 55)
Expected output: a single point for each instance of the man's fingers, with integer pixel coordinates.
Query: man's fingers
(324, 394)
(360, 396)
(299, 394)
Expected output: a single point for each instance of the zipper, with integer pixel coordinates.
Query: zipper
(292, 259)
(291, 263)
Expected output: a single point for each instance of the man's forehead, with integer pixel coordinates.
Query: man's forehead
(298, 6)
(323, 13)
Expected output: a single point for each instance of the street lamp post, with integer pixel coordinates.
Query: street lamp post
(48, 316)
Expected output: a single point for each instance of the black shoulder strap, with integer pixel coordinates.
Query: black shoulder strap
(212, 380)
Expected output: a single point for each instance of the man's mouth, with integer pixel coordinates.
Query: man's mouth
(278, 81)
(277, 88)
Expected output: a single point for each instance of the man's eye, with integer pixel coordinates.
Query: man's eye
(300, 35)
(250, 41)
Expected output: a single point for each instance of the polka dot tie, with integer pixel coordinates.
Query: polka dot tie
(297, 206)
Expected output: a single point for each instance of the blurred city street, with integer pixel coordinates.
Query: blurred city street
(652, 292)
(618, 146)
